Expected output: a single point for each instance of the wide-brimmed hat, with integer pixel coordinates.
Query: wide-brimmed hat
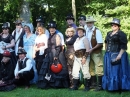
(82, 17)
(70, 16)
(115, 21)
(6, 54)
(6, 25)
(81, 28)
(90, 19)
(21, 51)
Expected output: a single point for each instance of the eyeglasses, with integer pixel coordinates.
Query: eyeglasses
(4, 28)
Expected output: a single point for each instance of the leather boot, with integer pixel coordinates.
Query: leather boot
(99, 85)
(87, 85)
(75, 84)
(93, 82)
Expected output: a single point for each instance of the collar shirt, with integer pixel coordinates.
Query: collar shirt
(89, 33)
(27, 68)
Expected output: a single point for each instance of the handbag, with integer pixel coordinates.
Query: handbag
(113, 59)
(56, 66)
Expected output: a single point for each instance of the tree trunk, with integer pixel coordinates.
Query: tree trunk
(74, 9)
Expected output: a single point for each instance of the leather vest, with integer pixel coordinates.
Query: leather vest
(23, 65)
(94, 42)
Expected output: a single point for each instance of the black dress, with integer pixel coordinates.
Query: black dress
(13, 56)
(57, 80)
(7, 76)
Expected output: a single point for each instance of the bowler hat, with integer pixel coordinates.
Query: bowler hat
(90, 19)
(21, 51)
(115, 21)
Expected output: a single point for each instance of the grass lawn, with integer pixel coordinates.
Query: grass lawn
(34, 92)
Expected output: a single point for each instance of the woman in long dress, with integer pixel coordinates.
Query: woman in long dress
(8, 43)
(48, 78)
(28, 42)
(116, 72)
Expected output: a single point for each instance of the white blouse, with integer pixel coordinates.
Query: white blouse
(79, 44)
(42, 39)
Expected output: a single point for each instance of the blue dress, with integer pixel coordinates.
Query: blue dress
(28, 47)
(116, 77)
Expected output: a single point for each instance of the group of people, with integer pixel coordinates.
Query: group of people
(48, 60)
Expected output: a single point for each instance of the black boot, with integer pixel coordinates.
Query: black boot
(75, 84)
(99, 85)
(93, 82)
(87, 85)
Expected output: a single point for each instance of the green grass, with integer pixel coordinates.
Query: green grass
(34, 92)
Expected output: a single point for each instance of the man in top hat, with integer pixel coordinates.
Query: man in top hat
(18, 35)
(82, 21)
(96, 61)
(6, 72)
(70, 21)
(40, 22)
(24, 72)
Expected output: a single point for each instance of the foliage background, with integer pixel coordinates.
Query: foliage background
(102, 10)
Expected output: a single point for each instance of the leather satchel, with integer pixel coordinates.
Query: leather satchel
(113, 59)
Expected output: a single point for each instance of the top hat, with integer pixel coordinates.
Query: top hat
(52, 24)
(6, 54)
(81, 28)
(70, 16)
(39, 19)
(115, 21)
(90, 19)
(82, 17)
(21, 51)
(6, 25)
(18, 21)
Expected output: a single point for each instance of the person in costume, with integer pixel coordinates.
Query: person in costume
(6, 72)
(7, 43)
(116, 63)
(81, 61)
(40, 47)
(96, 57)
(23, 72)
(28, 45)
(70, 33)
(18, 35)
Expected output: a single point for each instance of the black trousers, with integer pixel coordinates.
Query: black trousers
(24, 78)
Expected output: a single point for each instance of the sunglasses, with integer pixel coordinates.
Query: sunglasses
(4, 28)
(114, 25)
(18, 24)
